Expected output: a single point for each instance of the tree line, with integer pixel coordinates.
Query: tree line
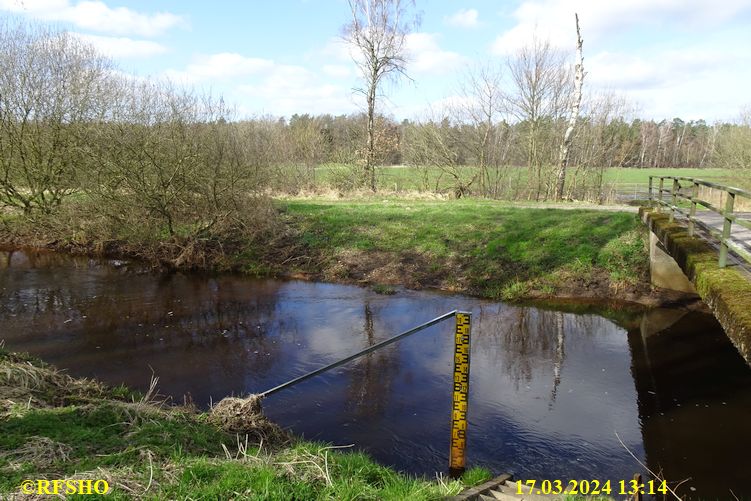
(160, 158)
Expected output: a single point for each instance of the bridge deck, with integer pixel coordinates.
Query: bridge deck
(739, 235)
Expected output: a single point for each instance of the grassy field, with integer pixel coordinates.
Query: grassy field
(406, 178)
(483, 247)
(56, 427)
(641, 176)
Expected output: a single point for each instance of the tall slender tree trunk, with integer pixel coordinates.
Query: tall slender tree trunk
(370, 153)
(574, 114)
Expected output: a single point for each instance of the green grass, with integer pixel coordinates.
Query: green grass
(383, 289)
(150, 451)
(476, 476)
(501, 251)
(641, 176)
(405, 178)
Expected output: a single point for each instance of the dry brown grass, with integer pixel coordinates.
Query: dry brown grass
(27, 384)
(327, 193)
(244, 416)
(42, 452)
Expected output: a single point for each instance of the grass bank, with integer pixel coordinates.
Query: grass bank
(474, 246)
(479, 247)
(53, 426)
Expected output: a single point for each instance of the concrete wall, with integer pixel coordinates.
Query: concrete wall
(726, 291)
(664, 271)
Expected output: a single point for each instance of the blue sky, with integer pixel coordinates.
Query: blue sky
(668, 58)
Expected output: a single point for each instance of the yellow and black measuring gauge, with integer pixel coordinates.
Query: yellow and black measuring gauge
(461, 391)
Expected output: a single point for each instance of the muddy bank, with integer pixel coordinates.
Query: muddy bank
(539, 254)
(415, 271)
(378, 270)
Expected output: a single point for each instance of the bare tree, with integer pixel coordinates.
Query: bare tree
(734, 143)
(53, 87)
(435, 143)
(170, 163)
(378, 32)
(486, 139)
(573, 115)
(538, 99)
(604, 139)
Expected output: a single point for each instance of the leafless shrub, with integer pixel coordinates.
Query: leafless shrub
(52, 88)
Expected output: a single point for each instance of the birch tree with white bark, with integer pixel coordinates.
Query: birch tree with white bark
(573, 115)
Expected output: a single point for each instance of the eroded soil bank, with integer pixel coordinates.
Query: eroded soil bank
(474, 247)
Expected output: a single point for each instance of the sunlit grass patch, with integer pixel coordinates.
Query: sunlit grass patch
(501, 251)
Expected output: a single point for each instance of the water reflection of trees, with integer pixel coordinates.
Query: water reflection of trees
(372, 376)
(527, 343)
(80, 313)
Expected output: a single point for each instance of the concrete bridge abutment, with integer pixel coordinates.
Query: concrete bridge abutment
(727, 291)
(664, 271)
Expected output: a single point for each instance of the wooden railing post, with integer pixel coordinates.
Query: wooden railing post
(637, 495)
(726, 228)
(692, 215)
(706, 220)
(659, 194)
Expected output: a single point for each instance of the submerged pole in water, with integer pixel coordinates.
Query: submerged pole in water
(460, 393)
(370, 349)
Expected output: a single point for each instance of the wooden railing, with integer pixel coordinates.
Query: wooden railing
(690, 191)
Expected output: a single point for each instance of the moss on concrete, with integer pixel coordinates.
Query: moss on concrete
(727, 291)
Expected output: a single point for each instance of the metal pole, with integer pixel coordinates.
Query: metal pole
(460, 393)
(358, 354)
(726, 227)
(650, 190)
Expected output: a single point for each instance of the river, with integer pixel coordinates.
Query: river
(552, 394)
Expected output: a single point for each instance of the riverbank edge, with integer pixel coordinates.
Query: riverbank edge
(725, 290)
(597, 293)
(55, 420)
(576, 287)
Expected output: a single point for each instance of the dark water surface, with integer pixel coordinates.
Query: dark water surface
(549, 390)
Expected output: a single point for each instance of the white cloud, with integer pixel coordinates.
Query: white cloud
(260, 86)
(338, 70)
(439, 109)
(464, 18)
(121, 47)
(95, 15)
(335, 50)
(426, 56)
(218, 67)
(660, 68)
(287, 89)
(696, 82)
(690, 64)
(554, 19)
